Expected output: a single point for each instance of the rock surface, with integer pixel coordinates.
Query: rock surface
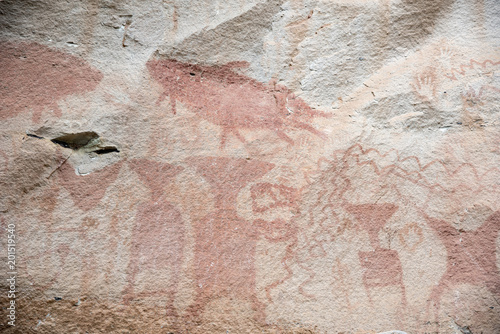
(261, 166)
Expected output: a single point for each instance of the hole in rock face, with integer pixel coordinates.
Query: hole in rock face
(75, 140)
(107, 149)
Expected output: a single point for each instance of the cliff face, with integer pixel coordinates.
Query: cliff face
(250, 166)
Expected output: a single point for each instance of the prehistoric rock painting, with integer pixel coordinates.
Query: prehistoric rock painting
(462, 208)
(427, 80)
(225, 243)
(267, 196)
(87, 190)
(334, 210)
(468, 90)
(481, 86)
(460, 193)
(231, 204)
(473, 65)
(471, 256)
(367, 210)
(452, 199)
(268, 201)
(425, 83)
(382, 266)
(233, 101)
(157, 237)
(37, 77)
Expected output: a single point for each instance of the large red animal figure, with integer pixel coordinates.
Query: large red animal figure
(231, 100)
(35, 77)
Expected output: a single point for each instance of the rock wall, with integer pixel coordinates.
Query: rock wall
(262, 166)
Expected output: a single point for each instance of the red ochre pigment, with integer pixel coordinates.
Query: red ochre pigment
(231, 100)
(87, 190)
(34, 77)
(158, 235)
(471, 257)
(225, 247)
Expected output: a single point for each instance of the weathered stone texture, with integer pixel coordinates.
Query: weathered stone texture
(263, 166)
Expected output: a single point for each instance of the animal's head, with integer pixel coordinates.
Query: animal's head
(170, 72)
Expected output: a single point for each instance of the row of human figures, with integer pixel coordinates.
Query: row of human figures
(225, 243)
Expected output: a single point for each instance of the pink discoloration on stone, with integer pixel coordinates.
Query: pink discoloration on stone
(372, 217)
(35, 77)
(87, 190)
(158, 234)
(231, 100)
(382, 266)
(226, 243)
(471, 257)
(267, 196)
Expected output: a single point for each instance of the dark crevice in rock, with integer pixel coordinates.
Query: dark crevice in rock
(75, 140)
(34, 136)
(463, 329)
(106, 150)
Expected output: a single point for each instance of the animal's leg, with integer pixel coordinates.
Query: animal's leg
(435, 298)
(173, 104)
(162, 97)
(402, 311)
(404, 301)
(283, 136)
(128, 293)
(171, 310)
(259, 308)
(311, 129)
(223, 138)
(367, 289)
(203, 296)
(239, 136)
(176, 275)
(493, 284)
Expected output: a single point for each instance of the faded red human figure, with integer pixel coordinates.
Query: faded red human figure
(35, 77)
(382, 266)
(158, 235)
(471, 257)
(87, 190)
(53, 256)
(226, 243)
(231, 100)
(267, 198)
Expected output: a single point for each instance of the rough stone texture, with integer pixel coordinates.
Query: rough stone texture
(300, 166)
